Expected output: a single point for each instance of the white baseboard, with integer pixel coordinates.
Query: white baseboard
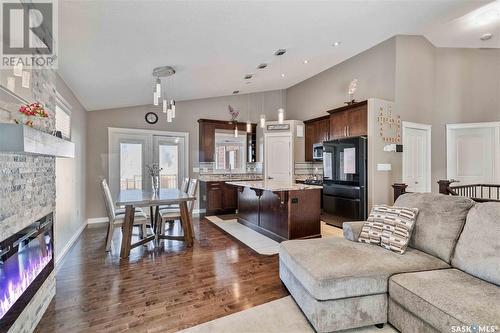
(60, 256)
(97, 220)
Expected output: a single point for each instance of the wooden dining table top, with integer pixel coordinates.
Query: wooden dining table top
(151, 198)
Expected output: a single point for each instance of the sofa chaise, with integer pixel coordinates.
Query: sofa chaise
(448, 277)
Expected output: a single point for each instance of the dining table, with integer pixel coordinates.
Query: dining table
(150, 198)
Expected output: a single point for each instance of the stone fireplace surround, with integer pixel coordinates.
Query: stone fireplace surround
(27, 193)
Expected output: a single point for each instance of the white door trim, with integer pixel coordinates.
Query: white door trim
(151, 134)
(428, 129)
(491, 124)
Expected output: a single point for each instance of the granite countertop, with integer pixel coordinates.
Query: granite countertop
(234, 177)
(274, 185)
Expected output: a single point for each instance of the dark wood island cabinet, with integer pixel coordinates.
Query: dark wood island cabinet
(278, 210)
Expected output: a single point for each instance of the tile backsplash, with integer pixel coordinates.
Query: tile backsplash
(305, 170)
(207, 168)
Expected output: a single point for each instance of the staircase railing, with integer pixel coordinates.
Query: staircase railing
(477, 192)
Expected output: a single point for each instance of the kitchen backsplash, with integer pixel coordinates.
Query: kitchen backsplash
(207, 168)
(304, 170)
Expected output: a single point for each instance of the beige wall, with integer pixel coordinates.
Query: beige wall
(187, 115)
(435, 86)
(70, 175)
(374, 69)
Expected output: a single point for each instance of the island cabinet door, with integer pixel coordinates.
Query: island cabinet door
(274, 214)
(248, 205)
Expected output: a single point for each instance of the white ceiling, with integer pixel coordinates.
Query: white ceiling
(109, 48)
(466, 30)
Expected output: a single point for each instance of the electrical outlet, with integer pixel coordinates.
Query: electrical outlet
(295, 200)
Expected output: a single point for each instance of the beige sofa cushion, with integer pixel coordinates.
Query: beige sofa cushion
(439, 222)
(447, 297)
(478, 248)
(333, 268)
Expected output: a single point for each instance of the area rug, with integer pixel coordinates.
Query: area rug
(282, 315)
(251, 238)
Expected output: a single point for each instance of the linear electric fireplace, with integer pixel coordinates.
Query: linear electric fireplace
(26, 260)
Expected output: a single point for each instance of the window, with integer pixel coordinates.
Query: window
(230, 151)
(63, 117)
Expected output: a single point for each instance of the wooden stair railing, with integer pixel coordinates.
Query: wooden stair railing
(477, 192)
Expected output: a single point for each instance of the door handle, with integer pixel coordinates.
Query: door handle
(270, 178)
(348, 130)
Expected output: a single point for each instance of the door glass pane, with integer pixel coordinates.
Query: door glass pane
(169, 162)
(130, 166)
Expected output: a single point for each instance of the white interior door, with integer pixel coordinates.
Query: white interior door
(417, 157)
(473, 153)
(278, 162)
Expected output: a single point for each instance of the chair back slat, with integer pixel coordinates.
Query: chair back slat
(192, 192)
(185, 184)
(108, 200)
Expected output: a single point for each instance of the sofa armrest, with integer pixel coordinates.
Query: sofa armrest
(352, 230)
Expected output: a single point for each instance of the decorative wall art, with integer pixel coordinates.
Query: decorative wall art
(389, 125)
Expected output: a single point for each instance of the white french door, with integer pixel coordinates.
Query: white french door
(131, 151)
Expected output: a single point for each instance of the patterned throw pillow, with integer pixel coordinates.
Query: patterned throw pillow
(390, 227)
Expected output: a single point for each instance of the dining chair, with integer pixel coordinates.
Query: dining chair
(173, 214)
(183, 188)
(117, 216)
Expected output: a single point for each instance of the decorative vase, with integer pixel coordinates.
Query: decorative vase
(155, 182)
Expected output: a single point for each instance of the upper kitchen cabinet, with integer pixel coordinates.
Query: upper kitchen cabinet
(207, 142)
(348, 121)
(317, 130)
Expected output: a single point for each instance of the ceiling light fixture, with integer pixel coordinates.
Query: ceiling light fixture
(306, 61)
(249, 124)
(336, 43)
(262, 66)
(262, 115)
(248, 76)
(161, 93)
(486, 37)
(236, 92)
(281, 110)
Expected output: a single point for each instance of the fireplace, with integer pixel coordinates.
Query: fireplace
(26, 260)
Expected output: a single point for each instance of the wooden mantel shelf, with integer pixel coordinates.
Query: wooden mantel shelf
(22, 139)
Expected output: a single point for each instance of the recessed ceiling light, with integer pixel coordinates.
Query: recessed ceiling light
(262, 66)
(248, 76)
(235, 92)
(280, 52)
(486, 37)
(336, 43)
(283, 75)
(306, 61)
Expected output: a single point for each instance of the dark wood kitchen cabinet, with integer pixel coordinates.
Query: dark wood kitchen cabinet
(207, 129)
(217, 197)
(317, 130)
(348, 121)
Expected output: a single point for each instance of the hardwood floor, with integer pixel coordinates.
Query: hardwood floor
(158, 290)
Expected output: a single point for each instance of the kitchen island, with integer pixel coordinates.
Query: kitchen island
(279, 210)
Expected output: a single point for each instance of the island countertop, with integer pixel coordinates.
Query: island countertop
(274, 185)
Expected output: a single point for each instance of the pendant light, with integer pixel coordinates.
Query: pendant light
(236, 131)
(164, 106)
(160, 93)
(158, 86)
(262, 115)
(249, 124)
(172, 107)
(281, 110)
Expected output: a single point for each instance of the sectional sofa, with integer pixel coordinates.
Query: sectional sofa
(447, 280)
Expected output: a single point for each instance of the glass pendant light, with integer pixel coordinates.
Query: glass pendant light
(249, 124)
(281, 115)
(169, 115)
(158, 86)
(164, 106)
(155, 98)
(262, 115)
(236, 131)
(172, 107)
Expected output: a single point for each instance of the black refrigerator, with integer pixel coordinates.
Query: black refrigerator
(345, 180)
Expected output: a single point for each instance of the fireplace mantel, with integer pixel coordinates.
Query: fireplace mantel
(20, 139)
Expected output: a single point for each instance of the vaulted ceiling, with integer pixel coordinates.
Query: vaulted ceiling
(108, 49)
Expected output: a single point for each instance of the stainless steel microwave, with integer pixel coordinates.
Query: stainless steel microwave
(318, 151)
